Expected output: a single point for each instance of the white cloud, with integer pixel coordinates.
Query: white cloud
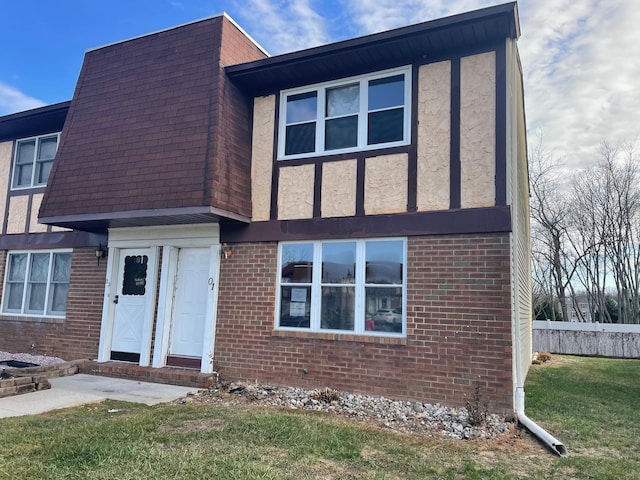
(13, 100)
(579, 58)
(387, 14)
(580, 75)
(287, 24)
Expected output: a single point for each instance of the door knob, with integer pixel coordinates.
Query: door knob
(115, 300)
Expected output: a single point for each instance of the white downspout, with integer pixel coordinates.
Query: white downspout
(545, 437)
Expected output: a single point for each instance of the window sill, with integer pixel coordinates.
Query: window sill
(340, 337)
(16, 318)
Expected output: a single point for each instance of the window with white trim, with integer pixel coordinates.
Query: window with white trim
(351, 286)
(33, 160)
(37, 283)
(353, 114)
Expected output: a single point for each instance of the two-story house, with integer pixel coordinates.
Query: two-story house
(353, 215)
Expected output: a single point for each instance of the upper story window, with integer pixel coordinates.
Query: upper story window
(357, 113)
(33, 160)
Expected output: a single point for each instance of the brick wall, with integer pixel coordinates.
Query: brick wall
(458, 327)
(76, 336)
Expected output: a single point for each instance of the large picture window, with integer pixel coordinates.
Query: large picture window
(33, 160)
(354, 286)
(358, 113)
(37, 283)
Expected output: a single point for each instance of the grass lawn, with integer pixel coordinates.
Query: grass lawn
(590, 404)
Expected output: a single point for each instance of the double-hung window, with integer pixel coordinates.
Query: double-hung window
(37, 283)
(353, 286)
(33, 160)
(358, 113)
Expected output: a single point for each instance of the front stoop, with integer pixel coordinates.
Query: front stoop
(167, 375)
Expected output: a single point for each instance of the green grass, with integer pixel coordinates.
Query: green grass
(590, 404)
(593, 406)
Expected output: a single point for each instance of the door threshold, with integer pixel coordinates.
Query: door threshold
(125, 357)
(184, 362)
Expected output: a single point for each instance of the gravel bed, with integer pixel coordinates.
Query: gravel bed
(414, 418)
(25, 357)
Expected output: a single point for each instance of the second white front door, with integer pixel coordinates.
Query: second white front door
(190, 302)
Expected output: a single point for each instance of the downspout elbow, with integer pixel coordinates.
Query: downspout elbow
(545, 437)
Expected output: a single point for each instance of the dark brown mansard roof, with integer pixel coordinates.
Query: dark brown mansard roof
(401, 46)
(156, 133)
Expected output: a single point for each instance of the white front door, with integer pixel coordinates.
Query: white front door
(190, 303)
(131, 296)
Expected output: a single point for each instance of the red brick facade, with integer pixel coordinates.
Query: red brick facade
(458, 327)
(77, 335)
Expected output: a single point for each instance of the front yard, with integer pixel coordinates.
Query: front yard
(590, 404)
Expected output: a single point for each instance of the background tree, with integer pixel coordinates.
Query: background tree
(586, 232)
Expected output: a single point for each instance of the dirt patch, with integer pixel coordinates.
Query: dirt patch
(557, 361)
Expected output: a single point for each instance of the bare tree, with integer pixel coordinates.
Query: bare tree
(605, 231)
(549, 226)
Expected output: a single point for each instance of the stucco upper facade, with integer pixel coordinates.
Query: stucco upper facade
(386, 176)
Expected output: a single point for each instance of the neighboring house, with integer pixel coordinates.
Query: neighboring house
(51, 281)
(578, 309)
(353, 215)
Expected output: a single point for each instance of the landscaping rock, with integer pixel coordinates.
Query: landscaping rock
(403, 416)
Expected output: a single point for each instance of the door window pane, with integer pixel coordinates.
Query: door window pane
(134, 280)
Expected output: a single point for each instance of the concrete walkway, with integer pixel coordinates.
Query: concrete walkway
(80, 389)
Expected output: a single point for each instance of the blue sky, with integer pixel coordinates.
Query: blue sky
(580, 57)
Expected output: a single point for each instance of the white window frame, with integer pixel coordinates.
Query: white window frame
(321, 89)
(360, 289)
(23, 309)
(37, 139)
